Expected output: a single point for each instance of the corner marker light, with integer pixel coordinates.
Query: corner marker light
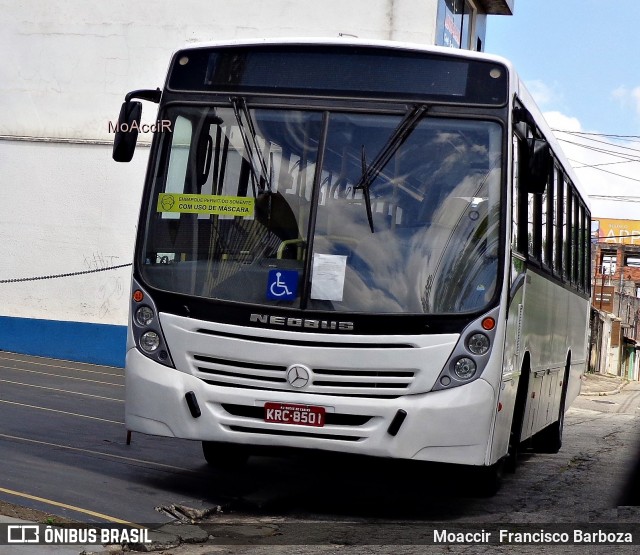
(488, 323)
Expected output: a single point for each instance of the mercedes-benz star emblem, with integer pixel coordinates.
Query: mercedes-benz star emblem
(298, 376)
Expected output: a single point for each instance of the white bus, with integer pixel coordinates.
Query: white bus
(365, 247)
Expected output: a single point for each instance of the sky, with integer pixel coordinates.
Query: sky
(581, 62)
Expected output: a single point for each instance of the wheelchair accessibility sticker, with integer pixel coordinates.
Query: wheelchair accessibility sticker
(282, 285)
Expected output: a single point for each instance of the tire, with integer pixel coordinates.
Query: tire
(549, 440)
(224, 456)
(488, 479)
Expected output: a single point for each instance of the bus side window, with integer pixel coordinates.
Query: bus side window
(521, 230)
(558, 194)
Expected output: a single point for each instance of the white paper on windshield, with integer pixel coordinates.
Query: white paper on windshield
(327, 281)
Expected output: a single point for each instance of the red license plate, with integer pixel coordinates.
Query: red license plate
(286, 413)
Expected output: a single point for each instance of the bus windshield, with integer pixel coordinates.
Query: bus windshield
(331, 211)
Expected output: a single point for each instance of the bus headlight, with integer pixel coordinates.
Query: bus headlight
(145, 327)
(149, 341)
(144, 316)
(471, 354)
(464, 368)
(478, 344)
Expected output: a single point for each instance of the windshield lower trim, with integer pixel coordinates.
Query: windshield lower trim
(239, 314)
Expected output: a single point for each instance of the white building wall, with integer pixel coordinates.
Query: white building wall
(66, 66)
(67, 208)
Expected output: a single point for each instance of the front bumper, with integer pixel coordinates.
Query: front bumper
(452, 426)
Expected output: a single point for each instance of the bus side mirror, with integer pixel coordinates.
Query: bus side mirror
(126, 135)
(537, 165)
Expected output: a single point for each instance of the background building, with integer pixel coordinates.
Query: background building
(68, 209)
(616, 297)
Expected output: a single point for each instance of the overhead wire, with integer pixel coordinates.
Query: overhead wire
(614, 150)
(620, 198)
(601, 142)
(621, 137)
(598, 165)
(617, 154)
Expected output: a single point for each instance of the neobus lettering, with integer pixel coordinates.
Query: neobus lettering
(301, 322)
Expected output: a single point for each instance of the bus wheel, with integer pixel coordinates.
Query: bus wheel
(549, 440)
(488, 479)
(224, 456)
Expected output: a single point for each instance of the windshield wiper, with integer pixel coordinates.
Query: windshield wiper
(371, 172)
(366, 193)
(239, 104)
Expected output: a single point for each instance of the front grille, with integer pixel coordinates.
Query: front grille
(230, 370)
(305, 343)
(358, 382)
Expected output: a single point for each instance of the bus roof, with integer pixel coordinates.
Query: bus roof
(351, 41)
(517, 86)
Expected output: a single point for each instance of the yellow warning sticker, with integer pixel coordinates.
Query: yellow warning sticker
(206, 204)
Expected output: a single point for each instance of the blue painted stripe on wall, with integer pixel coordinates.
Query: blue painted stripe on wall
(78, 341)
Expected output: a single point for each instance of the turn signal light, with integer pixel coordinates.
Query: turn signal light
(488, 323)
(138, 295)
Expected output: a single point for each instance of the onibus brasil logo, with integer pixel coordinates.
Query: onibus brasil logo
(40, 534)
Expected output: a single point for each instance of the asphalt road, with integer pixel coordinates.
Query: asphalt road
(64, 451)
(63, 445)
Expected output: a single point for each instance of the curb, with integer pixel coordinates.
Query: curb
(615, 391)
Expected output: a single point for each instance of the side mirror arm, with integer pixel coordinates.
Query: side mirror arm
(145, 94)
